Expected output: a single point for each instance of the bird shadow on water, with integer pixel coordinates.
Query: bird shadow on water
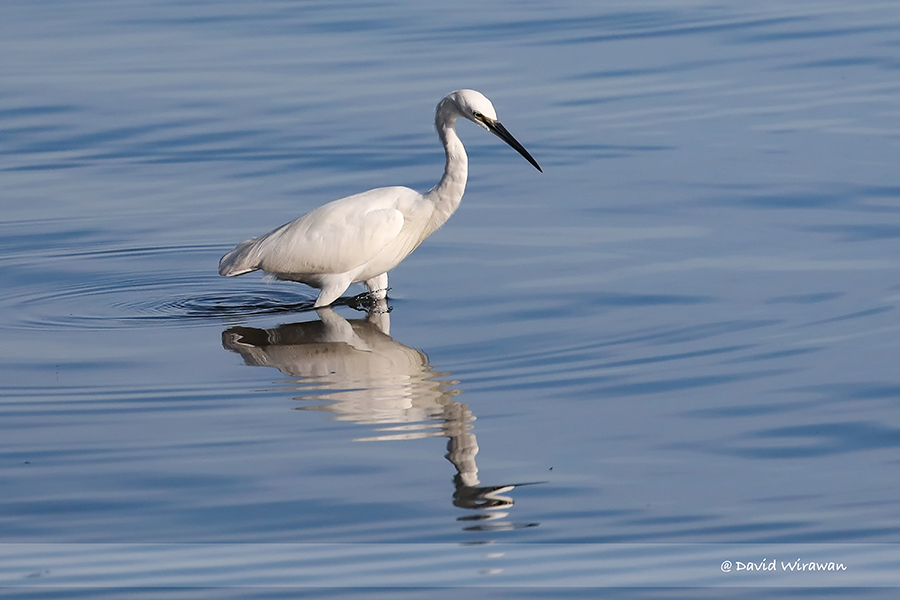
(354, 370)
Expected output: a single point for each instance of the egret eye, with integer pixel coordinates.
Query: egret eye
(478, 115)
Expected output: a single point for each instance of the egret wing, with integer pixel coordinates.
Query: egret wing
(336, 237)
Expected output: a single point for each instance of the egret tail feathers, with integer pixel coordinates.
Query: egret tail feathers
(241, 260)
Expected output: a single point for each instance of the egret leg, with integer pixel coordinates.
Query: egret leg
(332, 290)
(378, 287)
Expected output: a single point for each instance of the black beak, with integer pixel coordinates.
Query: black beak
(500, 131)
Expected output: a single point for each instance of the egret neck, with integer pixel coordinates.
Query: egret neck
(448, 193)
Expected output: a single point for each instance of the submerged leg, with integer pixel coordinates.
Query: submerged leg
(378, 287)
(379, 315)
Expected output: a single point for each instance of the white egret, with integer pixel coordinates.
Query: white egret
(361, 237)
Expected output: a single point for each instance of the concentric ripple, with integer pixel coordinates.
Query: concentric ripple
(210, 306)
(109, 289)
(113, 305)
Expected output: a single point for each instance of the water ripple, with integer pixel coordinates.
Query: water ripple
(110, 299)
(210, 306)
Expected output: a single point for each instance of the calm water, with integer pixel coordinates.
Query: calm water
(683, 332)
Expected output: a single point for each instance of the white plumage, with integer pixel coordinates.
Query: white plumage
(361, 237)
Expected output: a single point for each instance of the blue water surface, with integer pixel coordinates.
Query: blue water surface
(683, 331)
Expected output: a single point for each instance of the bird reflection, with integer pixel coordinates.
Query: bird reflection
(361, 374)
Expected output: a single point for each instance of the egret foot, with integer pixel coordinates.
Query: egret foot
(368, 302)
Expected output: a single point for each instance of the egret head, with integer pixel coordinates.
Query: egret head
(475, 107)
